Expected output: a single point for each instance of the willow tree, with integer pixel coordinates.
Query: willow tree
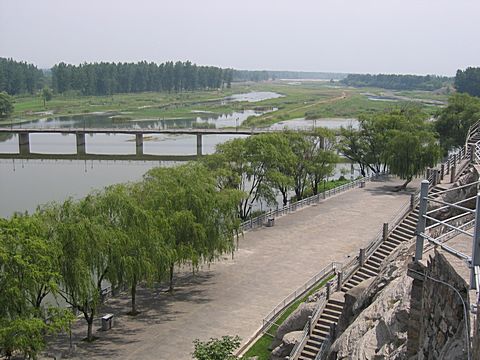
(28, 272)
(247, 165)
(322, 157)
(80, 239)
(137, 248)
(411, 152)
(199, 219)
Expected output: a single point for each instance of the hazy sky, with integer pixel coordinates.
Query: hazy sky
(389, 36)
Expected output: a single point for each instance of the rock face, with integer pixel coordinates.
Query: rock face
(296, 321)
(288, 342)
(442, 332)
(375, 322)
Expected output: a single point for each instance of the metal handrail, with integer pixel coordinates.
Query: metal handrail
(260, 220)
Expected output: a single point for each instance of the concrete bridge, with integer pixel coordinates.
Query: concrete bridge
(24, 135)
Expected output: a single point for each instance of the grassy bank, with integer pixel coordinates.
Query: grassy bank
(311, 100)
(260, 347)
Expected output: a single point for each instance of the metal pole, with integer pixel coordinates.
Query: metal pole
(361, 257)
(475, 245)
(421, 220)
(385, 231)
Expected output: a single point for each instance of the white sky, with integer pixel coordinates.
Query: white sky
(376, 36)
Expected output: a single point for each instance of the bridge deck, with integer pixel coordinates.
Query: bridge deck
(132, 131)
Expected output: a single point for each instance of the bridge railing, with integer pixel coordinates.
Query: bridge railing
(261, 220)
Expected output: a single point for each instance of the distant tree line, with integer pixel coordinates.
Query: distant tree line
(397, 82)
(110, 78)
(468, 81)
(19, 77)
(263, 75)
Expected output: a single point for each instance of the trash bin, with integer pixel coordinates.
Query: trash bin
(107, 322)
(270, 222)
(362, 184)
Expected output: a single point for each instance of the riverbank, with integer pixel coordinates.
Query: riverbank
(232, 296)
(303, 99)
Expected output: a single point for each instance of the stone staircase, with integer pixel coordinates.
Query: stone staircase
(404, 231)
(321, 330)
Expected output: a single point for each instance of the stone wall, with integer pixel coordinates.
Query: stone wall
(437, 330)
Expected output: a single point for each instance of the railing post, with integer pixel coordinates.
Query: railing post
(412, 201)
(428, 173)
(361, 257)
(339, 280)
(453, 173)
(448, 167)
(476, 245)
(421, 220)
(328, 290)
(385, 231)
(442, 171)
(309, 325)
(472, 153)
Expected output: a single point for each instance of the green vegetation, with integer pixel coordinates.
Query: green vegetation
(401, 140)
(453, 121)
(19, 77)
(397, 82)
(113, 78)
(127, 234)
(468, 81)
(262, 165)
(6, 105)
(261, 347)
(216, 349)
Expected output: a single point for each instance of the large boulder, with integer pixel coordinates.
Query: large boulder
(296, 321)
(285, 348)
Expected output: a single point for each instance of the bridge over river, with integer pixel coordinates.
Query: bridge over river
(80, 133)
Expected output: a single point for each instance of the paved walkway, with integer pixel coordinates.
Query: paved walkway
(232, 296)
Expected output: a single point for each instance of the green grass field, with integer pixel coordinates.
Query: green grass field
(311, 100)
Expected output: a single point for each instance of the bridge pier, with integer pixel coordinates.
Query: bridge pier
(199, 145)
(24, 143)
(80, 139)
(139, 143)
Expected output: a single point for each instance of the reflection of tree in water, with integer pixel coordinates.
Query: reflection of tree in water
(5, 137)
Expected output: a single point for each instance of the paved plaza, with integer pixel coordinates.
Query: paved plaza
(232, 296)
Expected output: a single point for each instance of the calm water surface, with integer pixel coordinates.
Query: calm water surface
(25, 184)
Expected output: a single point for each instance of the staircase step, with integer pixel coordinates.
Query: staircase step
(332, 312)
(359, 277)
(382, 252)
(399, 237)
(394, 240)
(312, 349)
(334, 307)
(388, 246)
(372, 268)
(336, 302)
(405, 231)
(326, 322)
(308, 354)
(377, 257)
(366, 272)
(329, 317)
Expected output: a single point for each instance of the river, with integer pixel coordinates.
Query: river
(25, 184)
